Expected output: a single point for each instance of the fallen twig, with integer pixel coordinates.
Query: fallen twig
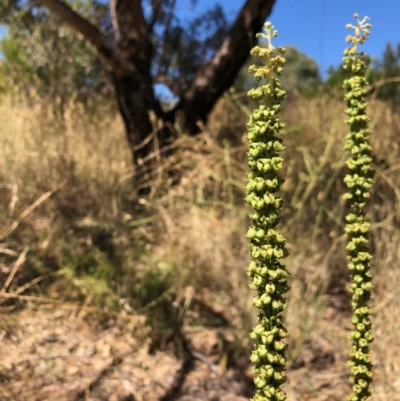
(20, 261)
(8, 230)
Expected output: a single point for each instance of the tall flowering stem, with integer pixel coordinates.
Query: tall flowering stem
(359, 182)
(267, 245)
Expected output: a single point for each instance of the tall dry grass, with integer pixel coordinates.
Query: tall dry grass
(185, 246)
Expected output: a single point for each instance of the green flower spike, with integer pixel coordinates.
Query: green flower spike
(359, 182)
(267, 245)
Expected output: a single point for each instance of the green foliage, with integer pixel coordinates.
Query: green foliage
(359, 182)
(63, 66)
(335, 79)
(15, 63)
(301, 73)
(267, 245)
(383, 75)
(185, 46)
(387, 69)
(46, 59)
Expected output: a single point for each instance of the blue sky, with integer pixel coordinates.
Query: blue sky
(317, 27)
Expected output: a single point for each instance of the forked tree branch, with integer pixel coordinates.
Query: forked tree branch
(173, 85)
(90, 33)
(157, 11)
(218, 75)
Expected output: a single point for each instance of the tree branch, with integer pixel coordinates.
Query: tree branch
(218, 75)
(157, 11)
(90, 33)
(173, 85)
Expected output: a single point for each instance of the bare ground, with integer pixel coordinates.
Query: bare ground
(71, 355)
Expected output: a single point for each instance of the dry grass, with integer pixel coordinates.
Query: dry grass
(187, 248)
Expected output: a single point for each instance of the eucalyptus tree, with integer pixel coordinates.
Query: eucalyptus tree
(145, 42)
(45, 59)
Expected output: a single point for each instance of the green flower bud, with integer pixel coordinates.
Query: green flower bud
(269, 372)
(278, 305)
(254, 358)
(257, 302)
(280, 395)
(280, 376)
(259, 329)
(253, 335)
(265, 299)
(260, 233)
(267, 339)
(263, 272)
(251, 233)
(252, 267)
(279, 345)
(257, 280)
(262, 351)
(259, 382)
(270, 288)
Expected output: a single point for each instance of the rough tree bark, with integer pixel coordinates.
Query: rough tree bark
(130, 56)
(134, 90)
(215, 77)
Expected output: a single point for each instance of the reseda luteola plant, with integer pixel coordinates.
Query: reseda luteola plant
(359, 182)
(267, 245)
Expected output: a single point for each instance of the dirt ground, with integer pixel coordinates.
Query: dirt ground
(71, 355)
(62, 355)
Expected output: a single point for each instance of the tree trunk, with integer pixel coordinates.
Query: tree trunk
(130, 57)
(134, 108)
(218, 75)
(134, 88)
(136, 101)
